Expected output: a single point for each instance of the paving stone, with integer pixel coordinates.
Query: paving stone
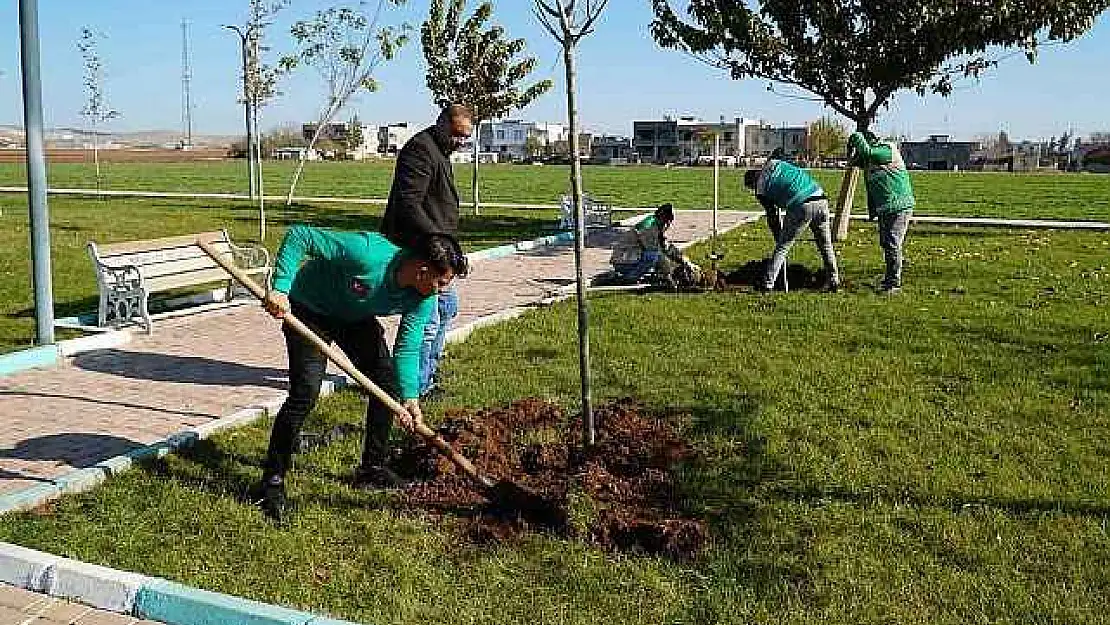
(64, 612)
(17, 598)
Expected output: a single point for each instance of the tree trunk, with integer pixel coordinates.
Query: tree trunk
(256, 153)
(474, 176)
(589, 435)
(96, 160)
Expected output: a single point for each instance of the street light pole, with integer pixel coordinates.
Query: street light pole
(247, 105)
(36, 170)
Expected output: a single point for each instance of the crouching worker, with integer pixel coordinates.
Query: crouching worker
(644, 249)
(781, 185)
(346, 281)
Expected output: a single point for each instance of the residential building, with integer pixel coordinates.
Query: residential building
(514, 139)
(609, 149)
(761, 140)
(939, 152)
(585, 146)
(690, 140)
(338, 133)
(392, 137)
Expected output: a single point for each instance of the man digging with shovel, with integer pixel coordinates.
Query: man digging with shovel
(783, 185)
(350, 279)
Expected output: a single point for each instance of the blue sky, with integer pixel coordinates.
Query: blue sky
(623, 76)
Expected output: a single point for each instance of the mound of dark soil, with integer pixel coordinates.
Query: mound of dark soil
(799, 277)
(620, 495)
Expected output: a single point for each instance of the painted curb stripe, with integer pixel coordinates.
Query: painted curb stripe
(14, 362)
(168, 602)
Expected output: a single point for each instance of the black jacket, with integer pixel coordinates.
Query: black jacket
(423, 199)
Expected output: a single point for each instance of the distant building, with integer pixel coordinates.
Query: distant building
(1095, 159)
(656, 141)
(939, 152)
(608, 149)
(514, 139)
(761, 140)
(338, 132)
(392, 137)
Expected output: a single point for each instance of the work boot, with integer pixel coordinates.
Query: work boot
(890, 289)
(273, 503)
(377, 477)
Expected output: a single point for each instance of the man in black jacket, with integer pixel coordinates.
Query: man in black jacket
(424, 201)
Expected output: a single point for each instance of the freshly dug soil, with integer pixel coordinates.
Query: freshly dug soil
(751, 274)
(621, 495)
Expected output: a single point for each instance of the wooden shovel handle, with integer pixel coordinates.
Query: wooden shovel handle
(341, 360)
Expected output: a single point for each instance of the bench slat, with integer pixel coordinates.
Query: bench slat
(184, 266)
(162, 256)
(130, 247)
(191, 278)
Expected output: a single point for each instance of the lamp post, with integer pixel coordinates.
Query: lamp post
(36, 171)
(248, 102)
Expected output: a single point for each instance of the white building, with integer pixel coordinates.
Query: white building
(690, 140)
(392, 137)
(510, 138)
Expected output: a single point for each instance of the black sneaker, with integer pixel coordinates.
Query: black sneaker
(377, 477)
(273, 503)
(832, 286)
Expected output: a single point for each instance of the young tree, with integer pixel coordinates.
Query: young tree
(96, 109)
(476, 65)
(345, 45)
(827, 137)
(855, 55)
(568, 21)
(260, 81)
(355, 137)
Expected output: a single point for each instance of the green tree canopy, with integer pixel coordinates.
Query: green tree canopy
(856, 54)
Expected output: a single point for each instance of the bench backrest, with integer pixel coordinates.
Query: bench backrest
(169, 262)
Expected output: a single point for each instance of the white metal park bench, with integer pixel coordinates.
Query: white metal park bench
(128, 273)
(598, 214)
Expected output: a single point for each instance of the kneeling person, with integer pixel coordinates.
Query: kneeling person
(347, 280)
(783, 185)
(644, 249)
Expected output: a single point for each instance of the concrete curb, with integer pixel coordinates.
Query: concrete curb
(28, 359)
(175, 604)
(138, 595)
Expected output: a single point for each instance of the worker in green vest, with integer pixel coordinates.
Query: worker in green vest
(782, 185)
(889, 199)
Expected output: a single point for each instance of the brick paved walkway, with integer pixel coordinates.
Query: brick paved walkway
(202, 367)
(22, 607)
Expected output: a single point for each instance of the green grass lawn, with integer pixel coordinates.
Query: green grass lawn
(1062, 196)
(937, 457)
(75, 221)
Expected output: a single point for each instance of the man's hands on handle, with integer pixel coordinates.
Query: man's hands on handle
(276, 303)
(413, 416)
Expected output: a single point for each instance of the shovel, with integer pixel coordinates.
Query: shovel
(506, 496)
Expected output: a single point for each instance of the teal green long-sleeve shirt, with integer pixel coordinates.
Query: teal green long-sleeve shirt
(352, 276)
(888, 183)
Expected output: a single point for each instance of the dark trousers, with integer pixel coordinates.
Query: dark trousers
(364, 343)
